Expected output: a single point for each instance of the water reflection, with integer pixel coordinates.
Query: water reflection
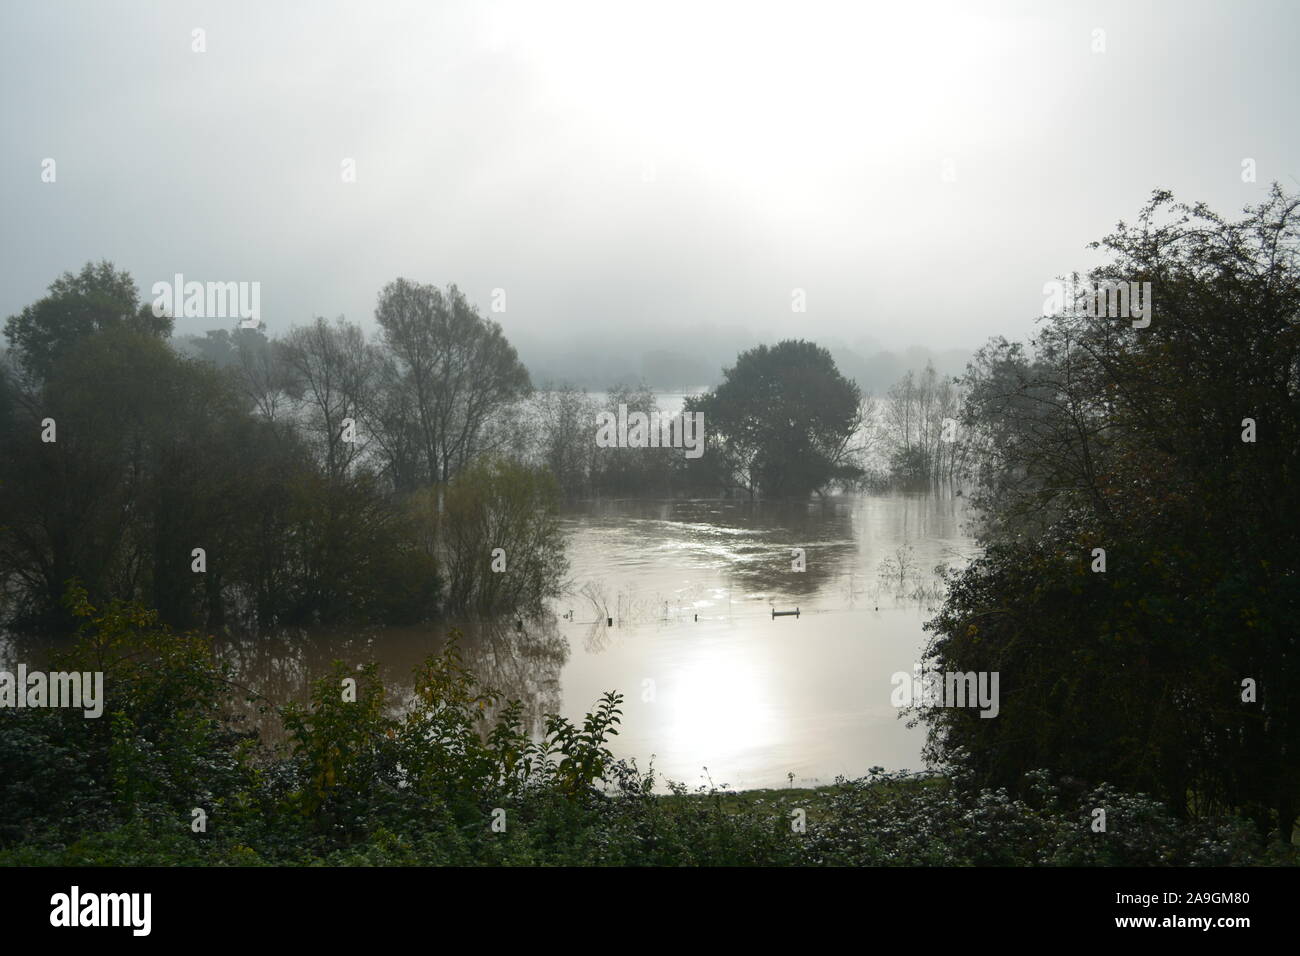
(670, 603)
(674, 561)
(520, 660)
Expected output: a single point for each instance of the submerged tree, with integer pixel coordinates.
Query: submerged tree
(919, 413)
(330, 372)
(499, 539)
(783, 422)
(150, 476)
(565, 416)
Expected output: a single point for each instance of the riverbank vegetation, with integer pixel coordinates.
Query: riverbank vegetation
(1139, 576)
(314, 479)
(1140, 573)
(442, 772)
(324, 477)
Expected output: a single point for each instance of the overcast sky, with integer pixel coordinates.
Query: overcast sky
(622, 166)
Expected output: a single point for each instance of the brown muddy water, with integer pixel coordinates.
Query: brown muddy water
(710, 679)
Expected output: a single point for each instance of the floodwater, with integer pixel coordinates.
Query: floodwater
(710, 678)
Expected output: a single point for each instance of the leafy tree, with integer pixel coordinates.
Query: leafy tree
(141, 472)
(500, 504)
(80, 304)
(783, 422)
(1103, 435)
(157, 455)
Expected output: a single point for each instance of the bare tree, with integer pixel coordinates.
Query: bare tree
(920, 417)
(457, 369)
(565, 418)
(331, 374)
(260, 374)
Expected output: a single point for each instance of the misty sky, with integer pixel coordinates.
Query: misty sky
(619, 168)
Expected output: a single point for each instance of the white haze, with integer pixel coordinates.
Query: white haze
(508, 145)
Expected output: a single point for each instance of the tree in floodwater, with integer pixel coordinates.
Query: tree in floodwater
(499, 538)
(1141, 576)
(154, 477)
(564, 419)
(784, 422)
(922, 448)
(633, 471)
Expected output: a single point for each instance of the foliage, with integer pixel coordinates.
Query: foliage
(782, 423)
(96, 299)
(369, 779)
(1103, 435)
(163, 744)
(565, 427)
(302, 467)
(500, 504)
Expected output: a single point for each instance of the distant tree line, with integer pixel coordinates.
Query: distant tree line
(783, 423)
(324, 475)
